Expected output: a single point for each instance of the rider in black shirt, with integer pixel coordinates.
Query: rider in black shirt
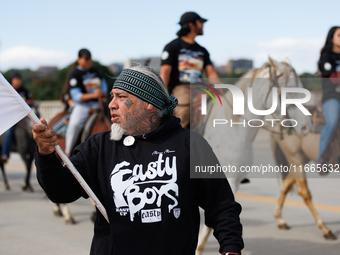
(184, 59)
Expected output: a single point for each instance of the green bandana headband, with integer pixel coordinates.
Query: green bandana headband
(145, 88)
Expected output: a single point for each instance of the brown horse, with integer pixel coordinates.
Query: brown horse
(297, 150)
(97, 122)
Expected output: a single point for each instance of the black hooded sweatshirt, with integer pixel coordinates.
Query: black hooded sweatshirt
(151, 201)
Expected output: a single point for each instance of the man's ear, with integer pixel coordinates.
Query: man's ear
(192, 25)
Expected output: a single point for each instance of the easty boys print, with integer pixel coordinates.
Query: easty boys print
(141, 188)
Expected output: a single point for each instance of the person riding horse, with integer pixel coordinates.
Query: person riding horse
(329, 66)
(85, 87)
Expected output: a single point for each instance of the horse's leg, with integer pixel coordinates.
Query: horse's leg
(7, 187)
(67, 214)
(27, 186)
(202, 239)
(56, 210)
(286, 187)
(305, 194)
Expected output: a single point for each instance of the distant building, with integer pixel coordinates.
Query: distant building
(239, 66)
(116, 68)
(221, 69)
(46, 70)
(153, 62)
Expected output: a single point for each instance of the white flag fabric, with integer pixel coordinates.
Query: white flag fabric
(13, 108)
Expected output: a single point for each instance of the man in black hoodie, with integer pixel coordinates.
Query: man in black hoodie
(140, 171)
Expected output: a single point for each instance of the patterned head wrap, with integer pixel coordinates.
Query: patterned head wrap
(145, 88)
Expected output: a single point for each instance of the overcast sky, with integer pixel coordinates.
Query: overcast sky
(37, 32)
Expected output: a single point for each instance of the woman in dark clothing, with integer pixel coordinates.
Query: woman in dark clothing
(329, 66)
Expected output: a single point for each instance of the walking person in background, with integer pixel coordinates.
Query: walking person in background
(16, 82)
(184, 61)
(329, 66)
(84, 86)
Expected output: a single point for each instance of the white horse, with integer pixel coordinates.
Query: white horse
(233, 145)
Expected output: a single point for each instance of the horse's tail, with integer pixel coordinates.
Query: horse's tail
(280, 159)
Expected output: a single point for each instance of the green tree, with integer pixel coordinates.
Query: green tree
(49, 87)
(45, 88)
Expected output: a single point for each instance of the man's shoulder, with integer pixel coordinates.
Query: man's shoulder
(75, 73)
(201, 47)
(104, 135)
(93, 70)
(194, 137)
(174, 43)
(22, 89)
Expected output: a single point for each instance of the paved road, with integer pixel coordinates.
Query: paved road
(258, 198)
(27, 225)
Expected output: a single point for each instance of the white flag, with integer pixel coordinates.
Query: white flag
(13, 108)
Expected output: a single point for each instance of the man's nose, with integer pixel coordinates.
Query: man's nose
(113, 104)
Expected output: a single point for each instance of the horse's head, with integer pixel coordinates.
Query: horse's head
(278, 75)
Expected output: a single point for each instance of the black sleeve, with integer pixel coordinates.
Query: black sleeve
(170, 54)
(326, 65)
(28, 94)
(57, 181)
(206, 59)
(222, 213)
(23, 91)
(217, 199)
(74, 76)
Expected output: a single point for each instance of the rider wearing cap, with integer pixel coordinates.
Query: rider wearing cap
(184, 60)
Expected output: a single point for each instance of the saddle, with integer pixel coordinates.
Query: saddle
(60, 125)
(318, 119)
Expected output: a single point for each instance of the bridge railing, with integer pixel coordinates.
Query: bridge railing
(48, 109)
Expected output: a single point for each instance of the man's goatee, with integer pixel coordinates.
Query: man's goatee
(116, 132)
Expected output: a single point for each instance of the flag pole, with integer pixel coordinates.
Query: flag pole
(74, 171)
